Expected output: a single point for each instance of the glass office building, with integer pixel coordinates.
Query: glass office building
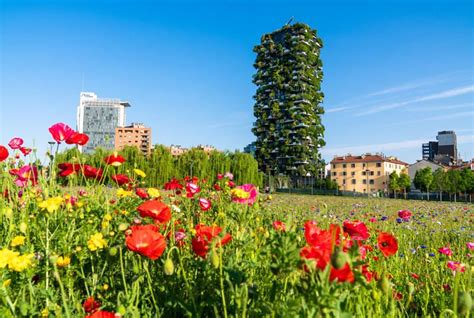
(98, 118)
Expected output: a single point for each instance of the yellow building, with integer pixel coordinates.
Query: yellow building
(366, 173)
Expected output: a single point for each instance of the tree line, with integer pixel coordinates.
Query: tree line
(161, 166)
(452, 182)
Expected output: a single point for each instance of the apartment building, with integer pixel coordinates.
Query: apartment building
(366, 173)
(136, 135)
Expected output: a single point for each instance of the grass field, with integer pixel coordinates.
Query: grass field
(207, 251)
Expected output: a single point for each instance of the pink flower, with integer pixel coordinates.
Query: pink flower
(446, 251)
(15, 143)
(205, 204)
(456, 267)
(25, 174)
(229, 176)
(220, 176)
(470, 245)
(373, 220)
(192, 189)
(405, 214)
(244, 194)
(61, 132)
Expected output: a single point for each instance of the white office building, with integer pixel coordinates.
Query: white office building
(98, 118)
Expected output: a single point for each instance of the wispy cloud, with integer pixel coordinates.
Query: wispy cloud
(441, 95)
(390, 97)
(433, 118)
(443, 107)
(387, 147)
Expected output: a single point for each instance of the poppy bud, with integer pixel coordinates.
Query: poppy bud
(338, 259)
(375, 294)
(24, 309)
(122, 310)
(215, 259)
(464, 303)
(169, 267)
(136, 269)
(384, 285)
(113, 251)
(23, 227)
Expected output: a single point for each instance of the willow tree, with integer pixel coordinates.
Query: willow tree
(288, 101)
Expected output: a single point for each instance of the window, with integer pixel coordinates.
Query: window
(334, 173)
(372, 173)
(353, 181)
(353, 165)
(344, 173)
(364, 181)
(363, 165)
(353, 173)
(378, 165)
(363, 173)
(334, 166)
(343, 165)
(343, 181)
(371, 181)
(379, 173)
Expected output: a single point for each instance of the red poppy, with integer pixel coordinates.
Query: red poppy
(15, 143)
(173, 184)
(405, 214)
(204, 236)
(205, 204)
(60, 132)
(67, 169)
(343, 274)
(231, 184)
(102, 314)
(114, 160)
(121, 179)
(387, 244)
(77, 138)
(141, 193)
(279, 226)
(90, 305)
(3, 153)
(367, 273)
(357, 230)
(91, 172)
(217, 187)
(320, 254)
(156, 210)
(25, 151)
(145, 240)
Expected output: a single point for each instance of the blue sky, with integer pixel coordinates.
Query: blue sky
(395, 72)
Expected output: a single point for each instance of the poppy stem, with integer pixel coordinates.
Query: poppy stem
(151, 288)
(123, 272)
(222, 282)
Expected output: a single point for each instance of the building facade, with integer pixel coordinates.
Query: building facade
(288, 111)
(98, 118)
(429, 150)
(366, 173)
(447, 147)
(421, 164)
(135, 135)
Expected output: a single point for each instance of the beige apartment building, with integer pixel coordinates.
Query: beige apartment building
(365, 173)
(136, 135)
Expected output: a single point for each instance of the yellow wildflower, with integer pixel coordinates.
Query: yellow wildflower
(6, 257)
(45, 313)
(21, 262)
(139, 172)
(121, 193)
(7, 211)
(105, 287)
(96, 242)
(63, 261)
(18, 241)
(108, 217)
(51, 204)
(240, 193)
(7, 283)
(153, 192)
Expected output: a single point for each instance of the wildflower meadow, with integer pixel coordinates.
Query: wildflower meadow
(82, 240)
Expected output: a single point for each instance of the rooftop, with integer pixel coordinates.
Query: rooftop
(367, 158)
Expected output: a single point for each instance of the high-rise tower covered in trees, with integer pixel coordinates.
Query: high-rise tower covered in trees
(288, 101)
